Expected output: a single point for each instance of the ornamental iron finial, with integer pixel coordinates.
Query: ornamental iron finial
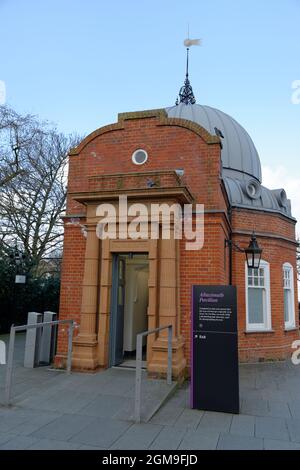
(186, 94)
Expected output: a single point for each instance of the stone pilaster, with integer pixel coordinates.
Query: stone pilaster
(168, 312)
(84, 346)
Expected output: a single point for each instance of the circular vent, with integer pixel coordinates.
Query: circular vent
(139, 157)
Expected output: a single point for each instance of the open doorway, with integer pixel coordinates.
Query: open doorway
(129, 305)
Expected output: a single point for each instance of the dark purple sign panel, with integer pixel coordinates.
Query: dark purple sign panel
(215, 376)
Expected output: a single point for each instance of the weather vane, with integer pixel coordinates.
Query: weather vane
(186, 94)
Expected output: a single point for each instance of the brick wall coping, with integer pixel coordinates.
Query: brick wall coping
(163, 120)
(265, 235)
(241, 208)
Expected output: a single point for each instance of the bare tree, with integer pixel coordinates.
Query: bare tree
(33, 189)
(16, 134)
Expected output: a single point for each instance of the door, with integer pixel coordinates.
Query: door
(117, 311)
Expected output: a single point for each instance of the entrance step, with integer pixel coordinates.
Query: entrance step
(155, 392)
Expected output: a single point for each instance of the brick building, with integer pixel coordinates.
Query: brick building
(116, 288)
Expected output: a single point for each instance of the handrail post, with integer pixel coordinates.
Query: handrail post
(70, 344)
(169, 371)
(138, 367)
(13, 329)
(138, 378)
(9, 365)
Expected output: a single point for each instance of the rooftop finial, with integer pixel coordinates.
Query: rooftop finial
(186, 94)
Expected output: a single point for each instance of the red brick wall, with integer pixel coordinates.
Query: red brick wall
(209, 266)
(71, 280)
(168, 147)
(276, 251)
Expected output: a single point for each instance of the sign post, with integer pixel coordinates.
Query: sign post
(215, 373)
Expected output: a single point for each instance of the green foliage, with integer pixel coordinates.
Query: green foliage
(16, 300)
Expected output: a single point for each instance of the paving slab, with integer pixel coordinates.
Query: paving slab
(18, 443)
(102, 432)
(251, 393)
(189, 419)
(168, 414)
(294, 406)
(64, 427)
(51, 444)
(138, 436)
(237, 442)
(294, 429)
(272, 444)
(169, 438)
(84, 447)
(148, 408)
(196, 440)
(271, 428)
(5, 437)
(33, 420)
(106, 406)
(254, 407)
(61, 402)
(10, 421)
(278, 409)
(243, 425)
(215, 421)
(276, 395)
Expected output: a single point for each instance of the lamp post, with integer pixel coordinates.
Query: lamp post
(252, 252)
(18, 260)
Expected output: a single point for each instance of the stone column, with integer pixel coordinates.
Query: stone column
(84, 353)
(104, 304)
(168, 312)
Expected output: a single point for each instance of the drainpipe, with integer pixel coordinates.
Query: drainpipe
(230, 245)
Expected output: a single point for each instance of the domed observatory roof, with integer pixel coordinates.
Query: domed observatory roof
(239, 155)
(241, 168)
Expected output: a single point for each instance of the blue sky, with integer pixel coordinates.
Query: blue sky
(78, 63)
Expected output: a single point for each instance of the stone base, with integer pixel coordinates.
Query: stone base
(84, 355)
(157, 365)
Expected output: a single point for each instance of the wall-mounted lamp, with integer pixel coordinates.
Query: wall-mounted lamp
(252, 252)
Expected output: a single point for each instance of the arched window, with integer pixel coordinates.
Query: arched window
(258, 303)
(288, 296)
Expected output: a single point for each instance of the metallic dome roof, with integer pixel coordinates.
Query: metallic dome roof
(239, 155)
(241, 169)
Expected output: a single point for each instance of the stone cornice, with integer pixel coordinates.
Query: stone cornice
(180, 193)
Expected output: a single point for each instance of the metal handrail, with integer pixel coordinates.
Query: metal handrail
(11, 346)
(138, 373)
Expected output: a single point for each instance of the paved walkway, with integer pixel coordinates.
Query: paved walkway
(90, 411)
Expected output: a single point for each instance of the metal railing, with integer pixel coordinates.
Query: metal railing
(9, 369)
(138, 373)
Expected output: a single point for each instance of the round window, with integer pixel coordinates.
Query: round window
(139, 157)
(252, 189)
